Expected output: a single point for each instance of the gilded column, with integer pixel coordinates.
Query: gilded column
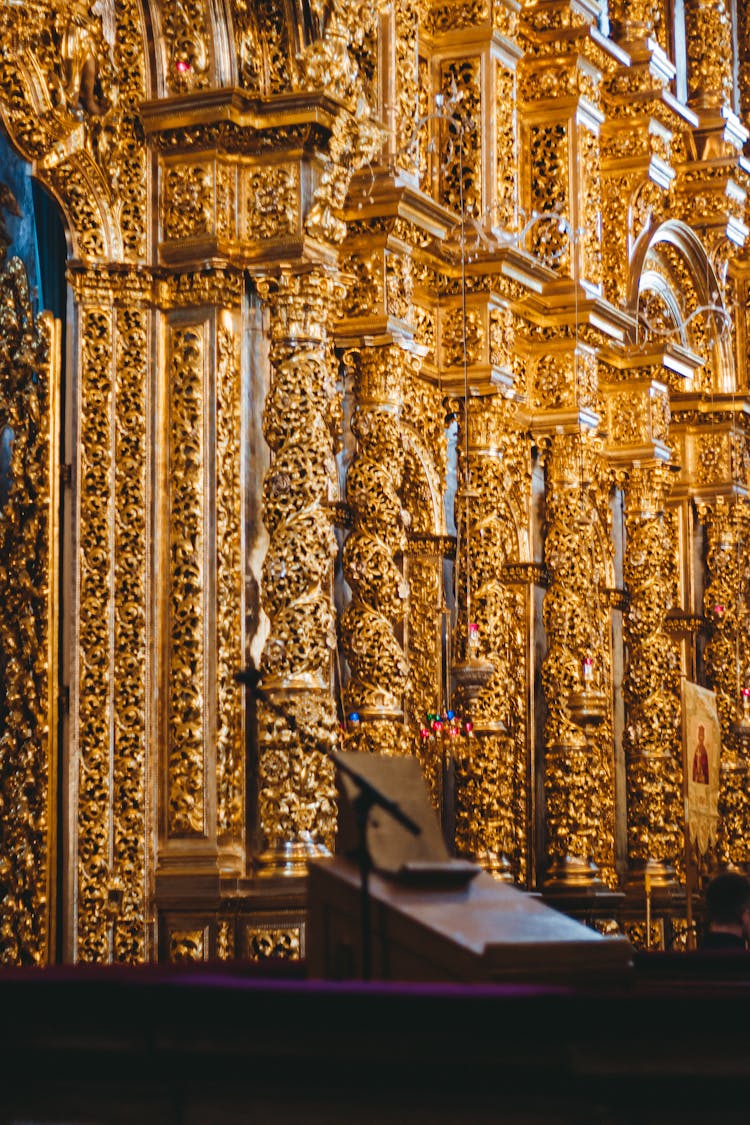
(201, 807)
(110, 684)
(492, 517)
(651, 687)
(710, 51)
(296, 813)
(372, 625)
(578, 765)
(29, 392)
(725, 604)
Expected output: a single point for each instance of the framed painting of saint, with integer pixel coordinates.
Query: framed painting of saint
(701, 742)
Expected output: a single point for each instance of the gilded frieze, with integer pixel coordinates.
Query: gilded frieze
(454, 15)
(186, 687)
(28, 618)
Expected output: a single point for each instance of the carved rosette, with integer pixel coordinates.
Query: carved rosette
(726, 656)
(491, 779)
(296, 813)
(28, 579)
(651, 685)
(371, 626)
(578, 767)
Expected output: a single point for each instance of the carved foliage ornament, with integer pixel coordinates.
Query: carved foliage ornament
(26, 575)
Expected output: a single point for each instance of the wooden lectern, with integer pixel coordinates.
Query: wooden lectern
(428, 926)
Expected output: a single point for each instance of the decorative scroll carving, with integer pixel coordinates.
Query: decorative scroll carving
(27, 617)
(549, 193)
(185, 752)
(273, 201)
(230, 743)
(506, 149)
(185, 30)
(726, 656)
(72, 86)
(461, 171)
(129, 803)
(303, 410)
(95, 618)
(188, 200)
(651, 687)
(273, 943)
(188, 945)
(266, 47)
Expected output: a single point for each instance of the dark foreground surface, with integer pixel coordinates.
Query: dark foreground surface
(218, 1046)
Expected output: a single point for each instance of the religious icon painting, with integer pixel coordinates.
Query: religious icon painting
(701, 742)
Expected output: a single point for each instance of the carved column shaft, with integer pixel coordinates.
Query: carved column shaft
(710, 53)
(372, 626)
(726, 657)
(491, 784)
(110, 684)
(202, 807)
(296, 815)
(578, 770)
(651, 686)
(29, 471)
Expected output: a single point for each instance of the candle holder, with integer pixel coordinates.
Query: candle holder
(741, 725)
(471, 676)
(588, 708)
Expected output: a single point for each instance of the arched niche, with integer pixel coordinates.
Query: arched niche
(672, 272)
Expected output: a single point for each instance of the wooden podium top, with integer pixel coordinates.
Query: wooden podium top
(484, 931)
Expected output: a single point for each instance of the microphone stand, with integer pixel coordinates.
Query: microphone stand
(368, 798)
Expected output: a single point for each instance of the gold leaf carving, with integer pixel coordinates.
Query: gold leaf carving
(186, 816)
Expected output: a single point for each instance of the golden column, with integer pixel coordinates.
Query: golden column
(651, 686)
(727, 524)
(372, 625)
(108, 688)
(575, 675)
(710, 52)
(29, 621)
(296, 812)
(492, 518)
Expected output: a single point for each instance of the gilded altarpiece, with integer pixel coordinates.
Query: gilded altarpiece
(456, 207)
